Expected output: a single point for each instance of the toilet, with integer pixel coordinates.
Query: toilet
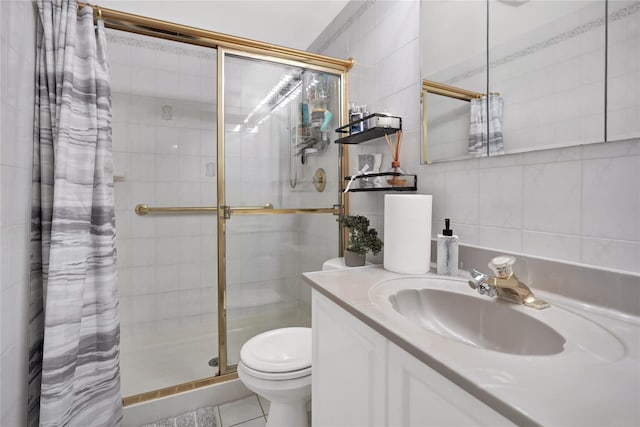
(277, 366)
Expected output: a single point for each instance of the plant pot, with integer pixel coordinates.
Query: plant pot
(354, 259)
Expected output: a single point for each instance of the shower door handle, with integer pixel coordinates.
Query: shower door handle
(227, 211)
(268, 209)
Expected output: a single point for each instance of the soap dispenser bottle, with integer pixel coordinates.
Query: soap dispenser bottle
(447, 256)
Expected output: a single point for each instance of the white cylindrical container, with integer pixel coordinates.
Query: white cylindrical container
(407, 233)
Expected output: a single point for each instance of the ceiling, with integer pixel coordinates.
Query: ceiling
(290, 23)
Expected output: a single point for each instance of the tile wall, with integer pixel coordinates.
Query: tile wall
(17, 37)
(164, 142)
(578, 204)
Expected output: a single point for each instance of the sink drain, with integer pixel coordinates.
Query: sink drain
(213, 362)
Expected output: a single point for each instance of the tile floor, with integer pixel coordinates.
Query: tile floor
(247, 412)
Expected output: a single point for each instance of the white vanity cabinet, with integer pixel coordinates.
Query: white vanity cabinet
(360, 378)
(348, 379)
(419, 396)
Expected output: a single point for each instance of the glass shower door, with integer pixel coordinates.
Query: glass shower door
(164, 140)
(278, 135)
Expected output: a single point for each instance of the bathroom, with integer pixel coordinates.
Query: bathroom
(578, 204)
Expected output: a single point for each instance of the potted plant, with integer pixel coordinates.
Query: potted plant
(362, 239)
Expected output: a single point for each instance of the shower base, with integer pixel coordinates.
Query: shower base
(151, 360)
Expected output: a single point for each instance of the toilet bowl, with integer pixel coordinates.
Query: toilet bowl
(277, 366)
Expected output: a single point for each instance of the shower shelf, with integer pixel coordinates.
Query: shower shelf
(358, 184)
(367, 134)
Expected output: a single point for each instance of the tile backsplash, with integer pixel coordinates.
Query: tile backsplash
(579, 204)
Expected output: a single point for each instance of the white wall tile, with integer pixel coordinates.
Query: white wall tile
(167, 278)
(143, 308)
(17, 35)
(462, 196)
(143, 280)
(166, 251)
(500, 202)
(500, 238)
(190, 303)
(616, 254)
(552, 197)
(168, 305)
(551, 245)
(609, 209)
(143, 252)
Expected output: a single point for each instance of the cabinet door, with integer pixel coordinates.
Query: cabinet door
(348, 379)
(419, 396)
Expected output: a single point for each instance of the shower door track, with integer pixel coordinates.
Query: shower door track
(241, 47)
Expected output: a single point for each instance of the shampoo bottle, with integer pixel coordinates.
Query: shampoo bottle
(447, 256)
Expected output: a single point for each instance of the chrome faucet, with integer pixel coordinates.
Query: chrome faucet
(505, 284)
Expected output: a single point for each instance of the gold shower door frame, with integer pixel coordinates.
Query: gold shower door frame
(250, 49)
(224, 211)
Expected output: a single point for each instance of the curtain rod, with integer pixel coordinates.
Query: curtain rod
(138, 24)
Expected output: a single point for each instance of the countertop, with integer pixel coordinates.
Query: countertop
(591, 382)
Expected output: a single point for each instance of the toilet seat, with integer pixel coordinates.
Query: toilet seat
(279, 376)
(278, 353)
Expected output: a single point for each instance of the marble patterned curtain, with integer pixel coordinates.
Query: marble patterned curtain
(74, 374)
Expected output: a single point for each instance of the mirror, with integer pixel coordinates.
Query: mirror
(453, 49)
(542, 64)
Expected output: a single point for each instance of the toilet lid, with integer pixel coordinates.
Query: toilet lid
(279, 350)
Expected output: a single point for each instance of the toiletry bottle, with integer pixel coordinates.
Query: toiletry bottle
(355, 118)
(447, 257)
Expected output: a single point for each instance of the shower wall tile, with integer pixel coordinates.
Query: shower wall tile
(143, 280)
(143, 252)
(125, 311)
(124, 282)
(168, 305)
(165, 139)
(143, 308)
(189, 276)
(123, 247)
(167, 194)
(166, 251)
(17, 62)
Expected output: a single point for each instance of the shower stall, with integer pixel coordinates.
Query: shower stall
(227, 189)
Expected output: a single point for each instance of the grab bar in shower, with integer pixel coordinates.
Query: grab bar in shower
(268, 208)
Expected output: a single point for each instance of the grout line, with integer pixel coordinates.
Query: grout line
(245, 421)
(261, 407)
(219, 416)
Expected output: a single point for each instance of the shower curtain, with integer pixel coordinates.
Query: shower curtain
(74, 332)
(485, 131)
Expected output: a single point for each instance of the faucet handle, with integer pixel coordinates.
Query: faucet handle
(501, 265)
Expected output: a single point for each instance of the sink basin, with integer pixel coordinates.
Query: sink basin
(448, 307)
(478, 322)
